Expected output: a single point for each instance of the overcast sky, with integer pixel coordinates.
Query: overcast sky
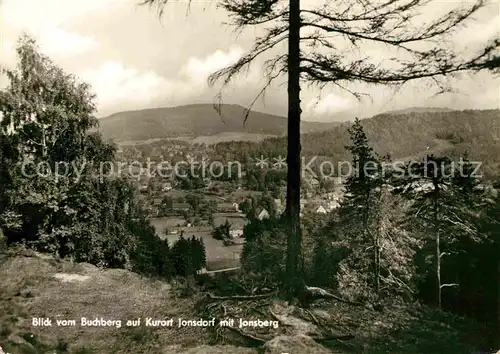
(133, 60)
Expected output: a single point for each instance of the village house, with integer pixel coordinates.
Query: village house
(320, 210)
(331, 196)
(236, 222)
(262, 214)
(181, 207)
(236, 232)
(332, 205)
(313, 182)
(279, 205)
(227, 207)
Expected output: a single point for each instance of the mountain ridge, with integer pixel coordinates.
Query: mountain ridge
(195, 120)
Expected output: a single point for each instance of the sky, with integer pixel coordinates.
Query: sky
(134, 60)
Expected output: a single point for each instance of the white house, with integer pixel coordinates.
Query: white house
(279, 205)
(332, 205)
(314, 182)
(321, 210)
(264, 214)
(235, 233)
(236, 222)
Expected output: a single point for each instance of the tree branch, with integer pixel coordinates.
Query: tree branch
(240, 297)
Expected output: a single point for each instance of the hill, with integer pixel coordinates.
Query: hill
(403, 136)
(196, 121)
(39, 286)
(409, 135)
(419, 110)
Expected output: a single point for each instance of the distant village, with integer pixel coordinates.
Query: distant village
(211, 204)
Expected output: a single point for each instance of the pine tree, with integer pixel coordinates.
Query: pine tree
(203, 253)
(492, 229)
(181, 254)
(360, 207)
(441, 211)
(198, 257)
(322, 274)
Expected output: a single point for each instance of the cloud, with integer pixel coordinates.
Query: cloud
(40, 14)
(45, 21)
(480, 32)
(56, 42)
(7, 53)
(120, 87)
(331, 103)
(116, 85)
(199, 69)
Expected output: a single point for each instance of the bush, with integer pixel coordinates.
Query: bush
(188, 256)
(265, 249)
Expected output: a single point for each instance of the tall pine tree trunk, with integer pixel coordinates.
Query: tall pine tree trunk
(377, 251)
(44, 142)
(498, 303)
(438, 268)
(438, 243)
(293, 159)
(376, 262)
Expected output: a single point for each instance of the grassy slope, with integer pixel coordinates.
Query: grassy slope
(193, 121)
(29, 289)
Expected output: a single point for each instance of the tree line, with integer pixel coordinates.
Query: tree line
(428, 234)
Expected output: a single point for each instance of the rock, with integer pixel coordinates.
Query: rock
(68, 278)
(299, 326)
(17, 345)
(322, 314)
(294, 344)
(207, 349)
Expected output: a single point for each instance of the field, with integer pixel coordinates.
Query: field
(160, 224)
(218, 255)
(230, 136)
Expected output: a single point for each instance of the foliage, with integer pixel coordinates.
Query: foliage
(360, 216)
(221, 232)
(188, 256)
(401, 135)
(264, 250)
(443, 210)
(76, 208)
(417, 51)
